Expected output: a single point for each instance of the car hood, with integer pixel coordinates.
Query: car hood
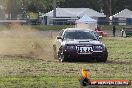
(82, 41)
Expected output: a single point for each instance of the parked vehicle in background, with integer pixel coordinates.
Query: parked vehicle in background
(76, 43)
(127, 32)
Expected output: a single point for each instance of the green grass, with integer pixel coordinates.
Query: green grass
(25, 72)
(119, 48)
(118, 27)
(27, 60)
(51, 27)
(37, 27)
(37, 82)
(59, 27)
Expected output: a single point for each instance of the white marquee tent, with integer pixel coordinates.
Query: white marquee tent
(86, 22)
(71, 14)
(123, 14)
(75, 12)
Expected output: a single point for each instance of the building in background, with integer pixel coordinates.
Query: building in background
(70, 15)
(123, 18)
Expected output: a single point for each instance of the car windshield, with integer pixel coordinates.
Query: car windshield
(79, 35)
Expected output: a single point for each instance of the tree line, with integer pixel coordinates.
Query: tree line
(108, 7)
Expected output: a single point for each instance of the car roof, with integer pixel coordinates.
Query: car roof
(76, 29)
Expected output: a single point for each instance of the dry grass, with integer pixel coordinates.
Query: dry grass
(23, 70)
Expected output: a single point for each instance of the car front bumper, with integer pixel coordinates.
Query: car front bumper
(76, 55)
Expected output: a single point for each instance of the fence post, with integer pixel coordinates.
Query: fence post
(54, 52)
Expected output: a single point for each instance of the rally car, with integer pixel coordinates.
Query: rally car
(76, 43)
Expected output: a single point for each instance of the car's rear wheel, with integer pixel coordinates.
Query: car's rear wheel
(104, 57)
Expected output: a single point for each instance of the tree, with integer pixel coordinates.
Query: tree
(11, 8)
(82, 4)
(109, 7)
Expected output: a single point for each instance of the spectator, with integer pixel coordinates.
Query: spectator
(114, 31)
(122, 32)
(98, 28)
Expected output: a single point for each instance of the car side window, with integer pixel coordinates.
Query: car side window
(61, 33)
(95, 34)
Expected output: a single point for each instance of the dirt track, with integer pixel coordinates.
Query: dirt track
(25, 41)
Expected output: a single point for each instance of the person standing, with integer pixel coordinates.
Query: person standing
(114, 31)
(122, 33)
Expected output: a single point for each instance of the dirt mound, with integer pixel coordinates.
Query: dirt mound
(20, 40)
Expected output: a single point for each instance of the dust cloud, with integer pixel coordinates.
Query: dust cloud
(24, 41)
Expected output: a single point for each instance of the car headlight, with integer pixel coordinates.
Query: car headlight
(98, 47)
(70, 47)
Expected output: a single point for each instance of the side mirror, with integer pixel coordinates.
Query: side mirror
(59, 37)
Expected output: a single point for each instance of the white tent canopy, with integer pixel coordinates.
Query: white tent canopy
(86, 22)
(86, 19)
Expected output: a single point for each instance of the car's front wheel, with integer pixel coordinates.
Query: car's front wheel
(62, 57)
(104, 57)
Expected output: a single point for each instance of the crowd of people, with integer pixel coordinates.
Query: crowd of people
(103, 34)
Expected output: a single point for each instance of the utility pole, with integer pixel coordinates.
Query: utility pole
(11, 6)
(110, 9)
(54, 8)
(13, 9)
